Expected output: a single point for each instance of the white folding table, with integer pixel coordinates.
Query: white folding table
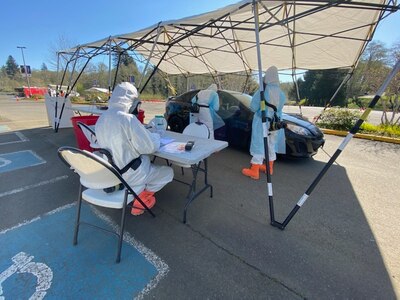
(203, 148)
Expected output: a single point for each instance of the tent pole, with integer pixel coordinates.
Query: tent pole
(56, 105)
(151, 54)
(69, 90)
(116, 70)
(109, 68)
(341, 147)
(155, 69)
(263, 112)
(58, 120)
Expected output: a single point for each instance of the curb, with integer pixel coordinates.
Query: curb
(362, 136)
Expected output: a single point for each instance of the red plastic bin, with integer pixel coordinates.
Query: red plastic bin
(81, 140)
(141, 116)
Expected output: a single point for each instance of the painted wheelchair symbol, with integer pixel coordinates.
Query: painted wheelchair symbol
(23, 264)
(4, 162)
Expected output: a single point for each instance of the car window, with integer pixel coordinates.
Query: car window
(187, 97)
(229, 99)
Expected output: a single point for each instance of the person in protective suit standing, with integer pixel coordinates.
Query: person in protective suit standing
(130, 143)
(208, 101)
(276, 138)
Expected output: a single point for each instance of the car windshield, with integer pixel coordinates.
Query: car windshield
(231, 96)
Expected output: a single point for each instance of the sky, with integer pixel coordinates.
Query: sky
(38, 25)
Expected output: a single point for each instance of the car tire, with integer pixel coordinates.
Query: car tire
(176, 124)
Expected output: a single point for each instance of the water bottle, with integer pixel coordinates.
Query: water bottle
(160, 124)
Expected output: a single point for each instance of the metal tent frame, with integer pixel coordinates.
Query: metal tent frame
(287, 34)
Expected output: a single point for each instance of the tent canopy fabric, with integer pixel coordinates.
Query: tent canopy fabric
(293, 35)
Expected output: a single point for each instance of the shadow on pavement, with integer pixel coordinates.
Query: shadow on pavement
(228, 249)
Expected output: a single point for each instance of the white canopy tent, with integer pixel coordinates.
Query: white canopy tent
(293, 35)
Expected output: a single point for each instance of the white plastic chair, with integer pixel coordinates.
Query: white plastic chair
(197, 129)
(97, 174)
(89, 134)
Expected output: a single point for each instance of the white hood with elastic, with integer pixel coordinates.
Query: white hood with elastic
(126, 138)
(123, 97)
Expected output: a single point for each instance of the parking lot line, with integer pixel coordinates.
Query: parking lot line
(31, 186)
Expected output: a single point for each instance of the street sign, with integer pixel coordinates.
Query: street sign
(28, 70)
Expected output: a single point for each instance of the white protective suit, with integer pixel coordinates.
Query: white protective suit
(126, 138)
(276, 139)
(209, 103)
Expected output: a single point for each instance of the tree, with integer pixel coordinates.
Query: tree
(370, 72)
(391, 103)
(319, 86)
(11, 67)
(44, 67)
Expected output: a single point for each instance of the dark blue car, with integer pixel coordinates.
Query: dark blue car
(303, 139)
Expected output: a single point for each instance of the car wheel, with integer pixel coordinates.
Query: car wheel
(176, 124)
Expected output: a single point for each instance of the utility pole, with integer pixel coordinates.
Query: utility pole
(26, 71)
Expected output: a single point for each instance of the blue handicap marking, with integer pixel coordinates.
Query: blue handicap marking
(18, 160)
(38, 260)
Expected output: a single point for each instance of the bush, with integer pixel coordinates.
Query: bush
(384, 130)
(338, 119)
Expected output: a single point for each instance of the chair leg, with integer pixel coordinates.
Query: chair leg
(122, 226)
(78, 216)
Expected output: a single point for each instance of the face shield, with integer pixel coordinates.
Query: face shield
(134, 109)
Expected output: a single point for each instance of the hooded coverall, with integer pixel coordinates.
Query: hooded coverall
(273, 95)
(209, 101)
(126, 138)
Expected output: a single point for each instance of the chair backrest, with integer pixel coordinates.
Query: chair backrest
(94, 171)
(89, 134)
(197, 129)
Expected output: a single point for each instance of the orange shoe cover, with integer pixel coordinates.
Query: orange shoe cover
(271, 166)
(253, 172)
(148, 199)
(263, 167)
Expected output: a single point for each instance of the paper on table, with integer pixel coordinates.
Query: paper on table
(165, 141)
(173, 147)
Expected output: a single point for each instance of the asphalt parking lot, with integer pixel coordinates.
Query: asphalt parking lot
(343, 243)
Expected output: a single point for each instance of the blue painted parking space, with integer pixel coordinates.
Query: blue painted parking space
(40, 260)
(19, 160)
